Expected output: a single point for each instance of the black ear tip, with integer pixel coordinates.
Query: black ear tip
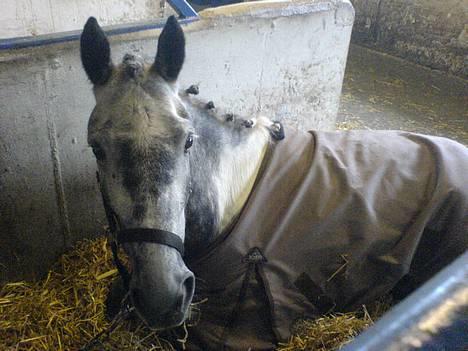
(172, 20)
(91, 23)
(92, 31)
(173, 23)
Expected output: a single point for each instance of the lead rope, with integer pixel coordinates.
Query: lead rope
(99, 339)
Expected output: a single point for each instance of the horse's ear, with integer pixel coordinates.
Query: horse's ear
(171, 51)
(95, 53)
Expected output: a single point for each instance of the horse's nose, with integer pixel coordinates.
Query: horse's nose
(164, 310)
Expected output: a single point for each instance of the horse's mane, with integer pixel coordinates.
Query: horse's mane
(233, 150)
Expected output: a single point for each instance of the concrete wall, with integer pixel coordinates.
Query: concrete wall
(284, 59)
(34, 17)
(433, 33)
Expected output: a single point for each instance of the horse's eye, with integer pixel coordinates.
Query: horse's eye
(98, 152)
(189, 142)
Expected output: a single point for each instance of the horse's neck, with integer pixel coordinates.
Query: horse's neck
(224, 166)
(238, 168)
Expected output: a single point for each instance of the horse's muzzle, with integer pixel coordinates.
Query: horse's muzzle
(162, 308)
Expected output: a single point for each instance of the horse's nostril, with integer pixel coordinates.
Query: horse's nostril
(187, 291)
(189, 285)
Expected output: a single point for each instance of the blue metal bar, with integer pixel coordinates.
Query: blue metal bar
(214, 3)
(184, 10)
(434, 317)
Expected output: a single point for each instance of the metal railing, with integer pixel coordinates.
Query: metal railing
(434, 317)
(186, 15)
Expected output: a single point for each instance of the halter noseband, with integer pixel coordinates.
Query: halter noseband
(132, 235)
(150, 235)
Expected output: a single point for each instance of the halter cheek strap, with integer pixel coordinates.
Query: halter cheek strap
(132, 235)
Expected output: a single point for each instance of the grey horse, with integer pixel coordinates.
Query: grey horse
(141, 132)
(274, 229)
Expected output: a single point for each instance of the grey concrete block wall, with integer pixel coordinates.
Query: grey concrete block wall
(283, 59)
(429, 32)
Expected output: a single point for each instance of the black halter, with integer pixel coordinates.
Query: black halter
(132, 235)
(149, 235)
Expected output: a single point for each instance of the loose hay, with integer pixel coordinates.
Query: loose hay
(327, 333)
(66, 309)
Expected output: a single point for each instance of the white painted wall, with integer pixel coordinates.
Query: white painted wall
(20, 18)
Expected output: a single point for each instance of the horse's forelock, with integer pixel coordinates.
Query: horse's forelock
(133, 66)
(147, 105)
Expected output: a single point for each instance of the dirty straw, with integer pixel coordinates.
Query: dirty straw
(65, 310)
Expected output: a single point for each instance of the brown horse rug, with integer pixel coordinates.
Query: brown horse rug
(335, 220)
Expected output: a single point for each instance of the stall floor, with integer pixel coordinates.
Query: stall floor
(384, 92)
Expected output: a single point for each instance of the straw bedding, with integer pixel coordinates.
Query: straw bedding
(66, 309)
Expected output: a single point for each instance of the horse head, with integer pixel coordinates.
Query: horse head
(141, 135)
